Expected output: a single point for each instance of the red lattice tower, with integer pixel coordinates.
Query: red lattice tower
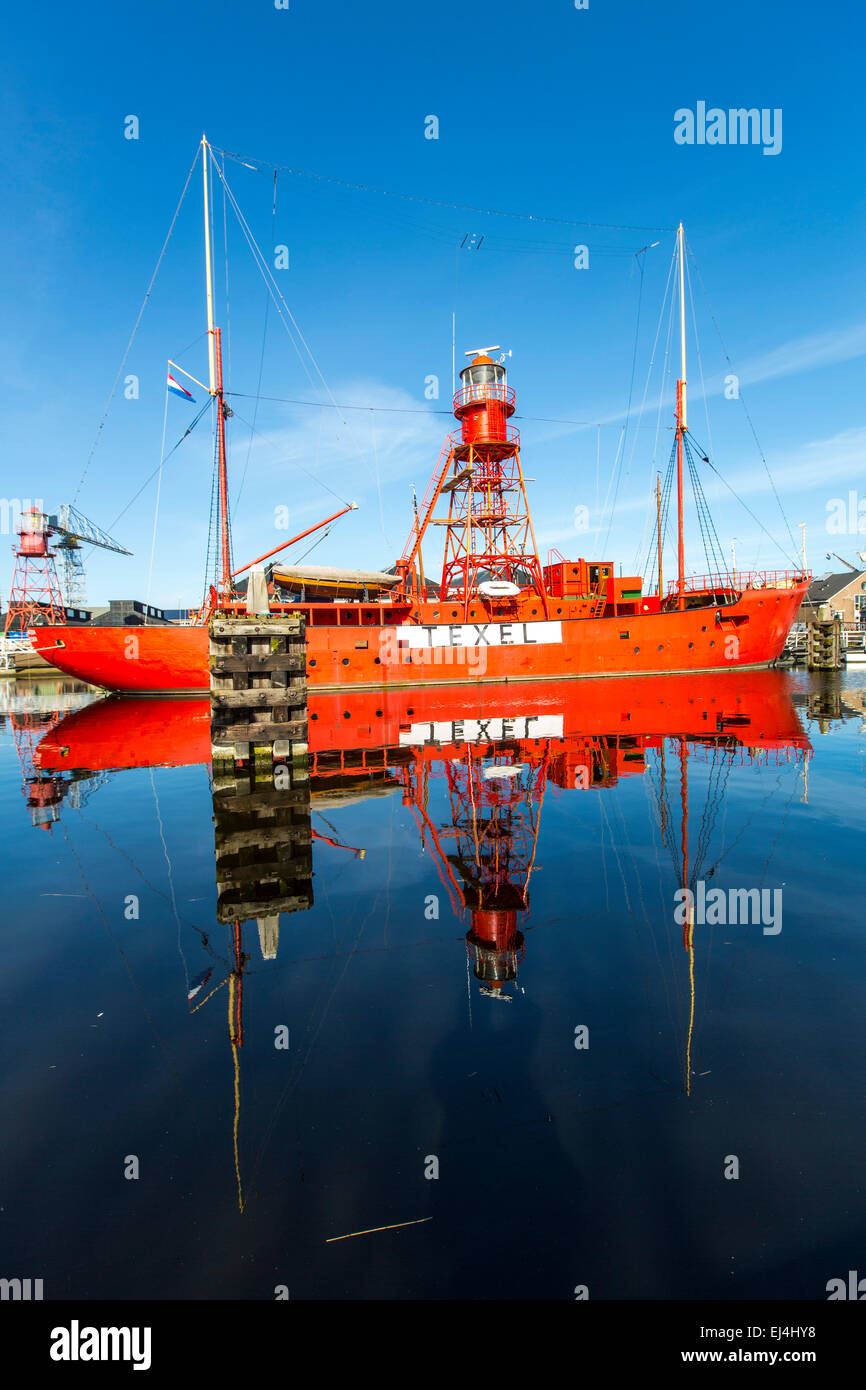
(486, 854)
(35, 596)
(42, 792)
(488, 527)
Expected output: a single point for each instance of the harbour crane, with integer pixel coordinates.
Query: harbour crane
(74, 531)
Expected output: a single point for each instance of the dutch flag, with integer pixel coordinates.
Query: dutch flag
(179, 390)
(196, 984)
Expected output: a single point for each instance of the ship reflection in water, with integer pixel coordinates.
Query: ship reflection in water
(541, 827)
(494, 766)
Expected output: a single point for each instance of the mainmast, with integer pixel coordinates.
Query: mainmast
(215, 368)
(659, 531)
(681, 425)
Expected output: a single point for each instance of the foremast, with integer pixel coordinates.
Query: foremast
(681, 429)
(215, 378)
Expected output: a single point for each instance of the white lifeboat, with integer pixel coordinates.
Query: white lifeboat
(500, 771)
(498, 588)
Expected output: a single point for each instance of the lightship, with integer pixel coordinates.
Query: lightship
(498, 613)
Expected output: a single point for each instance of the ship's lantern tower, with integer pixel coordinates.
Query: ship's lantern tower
(489, 537)
(494, 942)
(490, 550)
(484, 402)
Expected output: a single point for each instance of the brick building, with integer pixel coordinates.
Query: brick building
(842, 594)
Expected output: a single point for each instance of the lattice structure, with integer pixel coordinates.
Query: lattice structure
(489, 535)
(35, 596)
(486, 853)
(489, 532)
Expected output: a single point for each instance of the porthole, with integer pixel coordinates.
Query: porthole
(312, 661)
(691, 644)
(347, 714)
(345, 661)
(377, 661)
(637, 649)
(314, 716)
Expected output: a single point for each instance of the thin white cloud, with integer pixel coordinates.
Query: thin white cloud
(809, 353)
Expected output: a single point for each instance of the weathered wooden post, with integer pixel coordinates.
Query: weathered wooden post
(263, 849)
(258, 693)
(261, 783)
(824, 642)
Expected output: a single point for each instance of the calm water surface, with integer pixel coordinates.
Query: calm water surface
(493, 882)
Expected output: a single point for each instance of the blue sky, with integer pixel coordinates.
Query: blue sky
(544, 110)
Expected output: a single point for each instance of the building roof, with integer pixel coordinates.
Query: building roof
(828, 586)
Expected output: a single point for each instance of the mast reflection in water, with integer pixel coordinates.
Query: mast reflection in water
(548, 831)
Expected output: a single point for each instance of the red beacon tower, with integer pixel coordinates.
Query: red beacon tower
(35, 595)
(490, 550)
(489, 539)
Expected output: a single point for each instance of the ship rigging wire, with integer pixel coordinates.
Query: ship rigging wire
(257, 165)
(641, 267)
(294, 462)
(792, 559)
(156, 504)
(707, 530)
(288, 317)
(664, 376)
(261, 357)
(741, 399)
(128, 348)
(150, 477)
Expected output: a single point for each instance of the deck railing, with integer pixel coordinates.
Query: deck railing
(739, 580)
(483, 391)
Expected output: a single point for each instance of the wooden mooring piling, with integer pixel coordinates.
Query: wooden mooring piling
(824, 645)
(261, 784)
(258, 692)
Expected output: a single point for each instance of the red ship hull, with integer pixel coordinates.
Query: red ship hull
(356, 646)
